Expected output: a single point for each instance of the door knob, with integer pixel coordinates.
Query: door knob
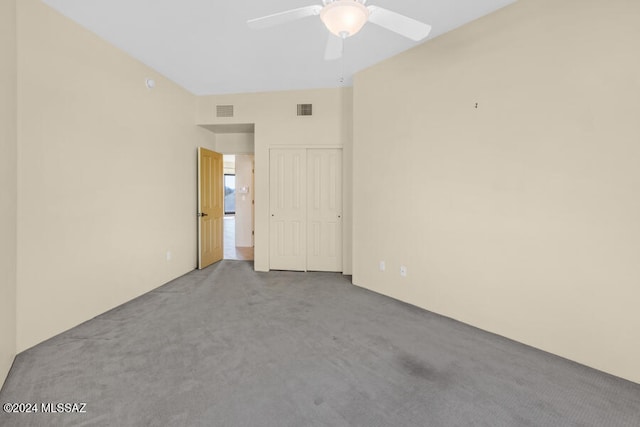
(202, 214)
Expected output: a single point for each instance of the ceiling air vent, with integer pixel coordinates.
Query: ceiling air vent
(304, 109)
(224, 110)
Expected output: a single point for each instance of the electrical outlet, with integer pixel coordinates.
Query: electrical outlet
(403, 271)
(382, 266)
(168, 255)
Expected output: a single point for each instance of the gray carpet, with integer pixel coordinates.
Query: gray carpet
(230, 347)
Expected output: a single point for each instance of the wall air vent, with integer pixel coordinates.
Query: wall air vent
(304, 109)
(224, 110)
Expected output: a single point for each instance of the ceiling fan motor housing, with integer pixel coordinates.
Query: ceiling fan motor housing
(344, 18)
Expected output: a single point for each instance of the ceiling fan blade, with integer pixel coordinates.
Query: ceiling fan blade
(334, 48)
(403, 25)
(283, 17)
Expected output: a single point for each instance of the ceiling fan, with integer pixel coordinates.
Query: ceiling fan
(344, 18)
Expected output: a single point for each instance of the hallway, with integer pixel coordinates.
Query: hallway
(231, 251)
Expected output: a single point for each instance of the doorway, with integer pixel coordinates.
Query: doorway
(235, 186)
(238, 207)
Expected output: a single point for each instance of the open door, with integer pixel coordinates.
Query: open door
(210, 207)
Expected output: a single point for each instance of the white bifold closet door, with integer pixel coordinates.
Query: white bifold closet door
(324, 210)
(306, 209)
(288, 204)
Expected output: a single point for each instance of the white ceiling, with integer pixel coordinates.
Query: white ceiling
(206, 47)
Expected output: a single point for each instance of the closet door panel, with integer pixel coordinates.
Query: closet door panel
(324, 209)
(288, 204)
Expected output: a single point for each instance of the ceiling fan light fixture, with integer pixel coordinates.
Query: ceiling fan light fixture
(344, 18)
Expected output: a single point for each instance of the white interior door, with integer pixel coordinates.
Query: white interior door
(324, 210)
(287, 189)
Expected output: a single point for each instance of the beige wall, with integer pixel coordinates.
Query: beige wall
(8, 185)
(244, 206)
(106, 176)
(234, 143)
(277, 125)
(520, 216)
